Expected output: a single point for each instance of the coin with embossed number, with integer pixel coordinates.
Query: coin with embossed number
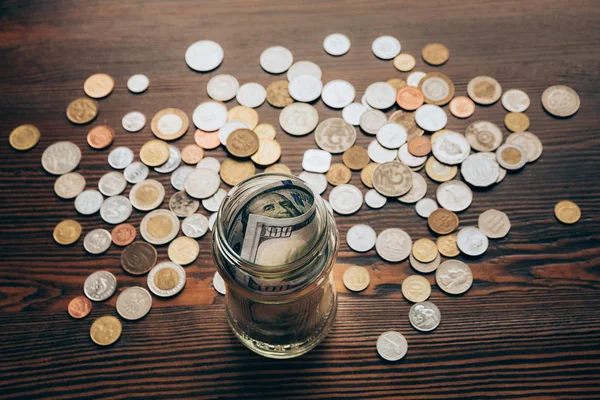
(335, 135)
(134, 303)
(416, 288)
(166, 279)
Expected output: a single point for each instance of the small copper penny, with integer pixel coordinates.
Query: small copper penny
(409, 98)
(191, 154)
(207, 140)
(79, 307)
(462, 107)
(419, 146)
(123, 234)
(100, 136)
(138, 258)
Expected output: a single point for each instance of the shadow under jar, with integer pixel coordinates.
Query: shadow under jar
(283, 302)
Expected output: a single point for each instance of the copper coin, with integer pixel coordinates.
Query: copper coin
(100, 136)
(278, 94)
(435, 54)
(191, 154)
(242, 143)
(207, 140)
(138, 258)
(410, 98)
(79, 307)
(462, 107)
(442, 221)
(123, 234)
(419, 146)
(356, 158)
(338, 174)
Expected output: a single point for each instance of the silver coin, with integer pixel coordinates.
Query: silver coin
(513, 162)
(417, 191)
(425, 207)
(451, 148)
(560, 101)
(414, 78)
(179, 175)
(298, 119)
(305, 88)
(352, 113)
(88, 202)
(317, 182)
(424, 316)
(393, 245)
(138, 83)
(454, 195)
(372, 120)
(304, 68)
(222, 87)
(338, 93)
(251, 95)
(210, 163)
(374, 200)
(159, 227)
(515, 100)
(392, 346)
(454, 277)
(480, 170)
(392, 135)
(422, 267)
(182, 204)
(484, 136)
(336, 44)
(134, 303)
(202, 183)
(501, 175)
(228, 129)
(431, 117)
(386, 47)
(219, 283)
(316, 161)
(209, 116)
(408, 159)
(363, 101)
(213, 203)
(484, 90)
(204, 55)
(392, 179)
(69, 185)
(133, 121)
(276, 59)
(345, 199)
(212, 220)
(381, 95)
(61, 157)
(361, 238)
(528, 142)
(100, 285)
(178, 273)
(379, 154)
(471, 241)
(328, 205)
(136, 172)
(120, 157)
(195, 226)
(494, 224)
(151, 195)
(97, 241)
(335, 135)
(116, 209)
(172, 163)
(112, 183)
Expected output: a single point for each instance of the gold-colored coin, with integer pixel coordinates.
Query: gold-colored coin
(159, 226)
(106, 330)
(439, 172)
(511, 155)
(269, 151)
(516, 122)
(416, 288)
(278, 94)
(424, 250)
(435, 134)
(67, 232)
(166, 279)
(24, 137)
(567, 212)
(356, 278)
(233, 172)
(281, 168)
(154, 153)
(265, 131)
(244, 114)
(404, 62)
(82, 110)
(442, 221)
(242, 143)
(397, 83)
(338, 174)
(366, 175)
(98, 86)
(447, 245)
(356, 158)
(183, 250)
(435, 54)
(170, 124)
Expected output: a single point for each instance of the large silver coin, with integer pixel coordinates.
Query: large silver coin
(431, 118)
(134, 303)
(417, 191)
(276, 59)
(120, 157)
(338, 93)
(560, 101)
(112, 183)
(336, 44)
(454, 277)
(392, 346)
(175, 278)
(100, 285)
(97, 241)
(210, 116)
(392, 135)
(386, 47)
(136, 172)
(61, 157)
(392, 179)
(204, 55)
(480, 170)
(298, 119)
(454, 195)
(305, 88)
(515, 100)
(179, 175)
(222, 87)
(380, 95)
(372, 120)
(529, 142)
(471, 241)
(393, 245)
(116, 209)
(424, 316)
(494, 224)
(202, 183)
(379, 154)
(335, 135)
(304, 68)
(251, 94)
(138, 83)
(345, 199)
(88, 202)
(195, 226)
(69, 185)
(451, 148)
(361, 238)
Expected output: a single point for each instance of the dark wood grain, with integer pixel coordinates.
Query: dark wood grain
(528, 328)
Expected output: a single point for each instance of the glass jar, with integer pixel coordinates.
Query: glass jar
(278, 310)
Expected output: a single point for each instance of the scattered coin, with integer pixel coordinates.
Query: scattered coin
(24, 137)
(88, 202)
(484, 136)
(422, 267)
(232, 173)
(100, 137)
(366, 175)
(219, 283)
(138, 83)
(213, 203)
(392, 346)
(461, 107)
(183, 250)
(345, 199)
(414, 78)
(138, 258)
(392, 135)
(424, 250)
(437, 88)
(123, 234)
(207, 140)
(338, 174)
(407, 119)
(154, 153)
(528, 142)
(560, 101)
(182, 204)
(425, 207)
(380, 95)
(69, 185)
(61, 157)
(79, 307)
(511, 156)
(179, 175)
(100, 285)
(356, 279)
(494, 224)
(454, 277)
(242, 143)
(410, 160)
(471, 241)
(147, 195)
(356, 158)
(276, 59)
(133, 121)
(410, 98)
(278, 94)
(97, 241)
(222, 87)
(204, 55)
(192, 154)
(226, 130)
(484, 90)
(386, 47)
(335, 135)
(82, 110)
(336, 44)
(424, 316)
(480, 170)
(404, 62)
(120, 157)
(431, 117)
(265, 131)
(195, 226)
(105, 330)
(159, 226)
(451, 148)
(172, 162)
(112, 183)
(435, 54)
(244, 114)
(209, 115)
(278, 168)
(299, 119)
(134, 303)
(98, 86)
(316, 161)
(374, 200)
(67, 232)
(446, 245)
(417, 191)
(415, 288)
(439, 172)
(116, 209)
(393, 245)
(316, 182)
(338, 93)
(442, 221)
(392, 179)
(567, 212)
(166, 279)
(419, 146)
(269, 151)
(515, 100)
(305, 88)
(304, 68)
(361, 238)
(371, 121)
(454, 195)
(516, 122)
(203, 182)
(380, 154)
(396, 83)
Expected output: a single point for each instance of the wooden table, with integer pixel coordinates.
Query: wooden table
(528, 328)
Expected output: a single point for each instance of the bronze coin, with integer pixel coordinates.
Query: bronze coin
(356, 158)
(278, 94)
(192, 153)
(79, 307)
(100, 136)
(123, 234)
(419, 146)
(409, 98)
(242, 143)
(138, 258)
(207, 140)
(435, 54)
(338, 174)
(442, 221)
